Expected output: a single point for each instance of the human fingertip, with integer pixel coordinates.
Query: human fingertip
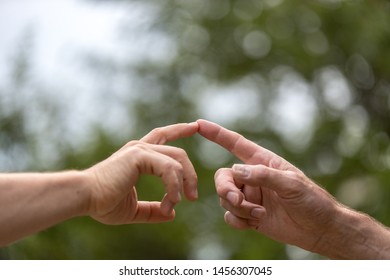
(231, 220)
(194, 194)
(242, 170)
(257, 213)
(233, 198)
(167, 208)
(178, 197)
(200, 122)
(171, 216)
(195, 123)
(174, 197)
(227, 216)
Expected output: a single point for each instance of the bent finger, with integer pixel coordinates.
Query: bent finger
(246, 210)
(163, 166)
(236, 222)
(285, 183)
(190, 179)
(151, 212)
(226, 186)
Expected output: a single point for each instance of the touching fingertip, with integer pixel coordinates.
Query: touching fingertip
(193, 124)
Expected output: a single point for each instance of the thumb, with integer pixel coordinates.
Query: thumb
(285, 183)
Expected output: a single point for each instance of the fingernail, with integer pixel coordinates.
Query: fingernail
(194, 193)
(178, 197)
(232, 197)
(257, 213)
(167, 208)
(194, 124)
(241, 169)
(169, 211)
(175, 197)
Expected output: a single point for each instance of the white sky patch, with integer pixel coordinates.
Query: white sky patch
(294, 111)
(335, 88)
(63, 30)
(225, 104)
(60, 29)
(59, 34)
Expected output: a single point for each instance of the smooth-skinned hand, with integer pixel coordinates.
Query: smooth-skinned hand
(113, 198)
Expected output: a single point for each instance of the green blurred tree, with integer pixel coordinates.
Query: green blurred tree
(308, 80)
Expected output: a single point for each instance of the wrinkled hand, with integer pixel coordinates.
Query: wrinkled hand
(269, 194)
(113, 197)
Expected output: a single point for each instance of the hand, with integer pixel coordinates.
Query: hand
(113, 197)
(269, 194)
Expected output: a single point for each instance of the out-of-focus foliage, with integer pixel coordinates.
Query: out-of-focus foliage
(309, 80)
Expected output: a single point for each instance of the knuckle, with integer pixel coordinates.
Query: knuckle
(158, 134)
(192, 177)
(173, 165)
(220, 191)
(219, 172)
(178, 154)
(261, 172)
(155, 131)
(275, 162)
(131, 143)
(137, 147)
(181, 153)
(294, 176)
(296, 179)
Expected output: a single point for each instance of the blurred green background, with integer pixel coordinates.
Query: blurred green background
(309, 80)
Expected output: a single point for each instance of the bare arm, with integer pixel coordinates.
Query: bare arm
(270, 195)
(31, 202)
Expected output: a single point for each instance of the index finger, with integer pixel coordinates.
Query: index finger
(162, 135)
(246, 150)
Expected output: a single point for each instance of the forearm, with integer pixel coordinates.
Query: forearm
(31, 202)
(355, 235)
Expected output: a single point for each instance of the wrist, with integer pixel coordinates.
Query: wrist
(81, 184)
(354, 235)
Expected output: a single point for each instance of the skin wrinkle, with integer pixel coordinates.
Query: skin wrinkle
(114, 209)
(237, 144)
(318, 240)
(159, 139)
(189, 179)
(106, 191)
(298, 211)
(144, 217)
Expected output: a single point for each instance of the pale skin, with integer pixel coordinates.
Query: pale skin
(266, 194)
(106, 191)
(273, 197)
